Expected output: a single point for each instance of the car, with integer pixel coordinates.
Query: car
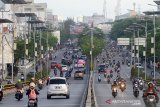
(84, 57)
(101, 68)
(58, 86)
(78, 74)
(65, 68)
(53, 64)
(66, 61)
(31, 73)
(79, 65)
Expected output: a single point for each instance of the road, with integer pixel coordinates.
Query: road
(77, 88)
(103, 91)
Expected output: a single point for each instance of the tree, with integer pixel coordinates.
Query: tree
(65, 32)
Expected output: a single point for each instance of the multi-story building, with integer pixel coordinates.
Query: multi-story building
(95, 19)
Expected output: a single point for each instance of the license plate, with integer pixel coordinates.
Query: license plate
(57, 87)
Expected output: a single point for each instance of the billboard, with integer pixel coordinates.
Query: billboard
(76, 29)
(123, 41)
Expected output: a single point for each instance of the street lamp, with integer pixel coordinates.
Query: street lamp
(153, 13)
(131, 46)
(145, 27)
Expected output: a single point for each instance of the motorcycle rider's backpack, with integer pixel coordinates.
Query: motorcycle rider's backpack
(32, 94)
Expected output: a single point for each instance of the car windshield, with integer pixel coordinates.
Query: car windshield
(78, 72)
(57, 81)
(101, 66)
(53, 62)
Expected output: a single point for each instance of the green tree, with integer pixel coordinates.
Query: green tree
(65, 31)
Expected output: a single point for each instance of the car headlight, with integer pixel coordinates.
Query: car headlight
(122, 85)
(141, 83)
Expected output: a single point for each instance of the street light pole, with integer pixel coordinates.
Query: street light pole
(146, 27)
(91, 49)
(138, 51)
(154, 45)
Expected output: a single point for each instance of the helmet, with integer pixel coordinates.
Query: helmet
(115, 82)
(32, 85)
(32, 78)
(19, 80)
(150, 84)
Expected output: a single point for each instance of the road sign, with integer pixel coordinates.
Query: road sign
(140, 41)
(123, 41)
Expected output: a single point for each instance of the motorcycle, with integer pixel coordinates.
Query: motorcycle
(105, 75)
(114, 92)
(61, 74)
(141, 85)
(1, 94)
(111, 75)
(108, 80)
(122, 86)
(19, 94)
(99, 79)
(32, 103)
(151, 101)
(135, 90)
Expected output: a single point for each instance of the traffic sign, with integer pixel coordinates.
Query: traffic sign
(123, 41)
(140, 41)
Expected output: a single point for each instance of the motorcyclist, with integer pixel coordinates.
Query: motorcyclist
(99, 77)
(1, 89)
(22, 77)
(29, 91)
(150, 90)
(40, 82)
(19, 85)
(33, 80)
(114, 84)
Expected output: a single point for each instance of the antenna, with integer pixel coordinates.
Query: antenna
(104, 9)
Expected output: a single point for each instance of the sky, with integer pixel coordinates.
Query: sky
(71, 8)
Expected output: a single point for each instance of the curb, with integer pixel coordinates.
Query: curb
(88, 101)
(95, 99)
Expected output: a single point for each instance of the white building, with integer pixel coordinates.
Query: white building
(57, 35)
(95, 19)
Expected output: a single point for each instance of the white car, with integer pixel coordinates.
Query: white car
(58, 87)
(64, 68)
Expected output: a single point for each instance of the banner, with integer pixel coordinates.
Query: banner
(76, 29)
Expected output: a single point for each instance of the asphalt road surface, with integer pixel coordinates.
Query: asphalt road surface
(104, 96)
(77, 88)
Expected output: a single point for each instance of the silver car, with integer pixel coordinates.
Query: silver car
(58, 87)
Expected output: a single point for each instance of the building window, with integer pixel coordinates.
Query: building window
(28, 9)
(40, 9)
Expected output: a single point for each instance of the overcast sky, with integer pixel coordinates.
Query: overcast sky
(70, 8)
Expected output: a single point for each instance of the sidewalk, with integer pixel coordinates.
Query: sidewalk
(29, 67)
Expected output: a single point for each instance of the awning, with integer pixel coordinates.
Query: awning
(25, 14)
(5, 21)
(14, 1)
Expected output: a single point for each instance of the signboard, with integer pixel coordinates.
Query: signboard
(140, 41)
(123, 41)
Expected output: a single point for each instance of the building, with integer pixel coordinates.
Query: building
(158, 4)
(57, 35)
(130, 14)
(105, 27)
(95, 19)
